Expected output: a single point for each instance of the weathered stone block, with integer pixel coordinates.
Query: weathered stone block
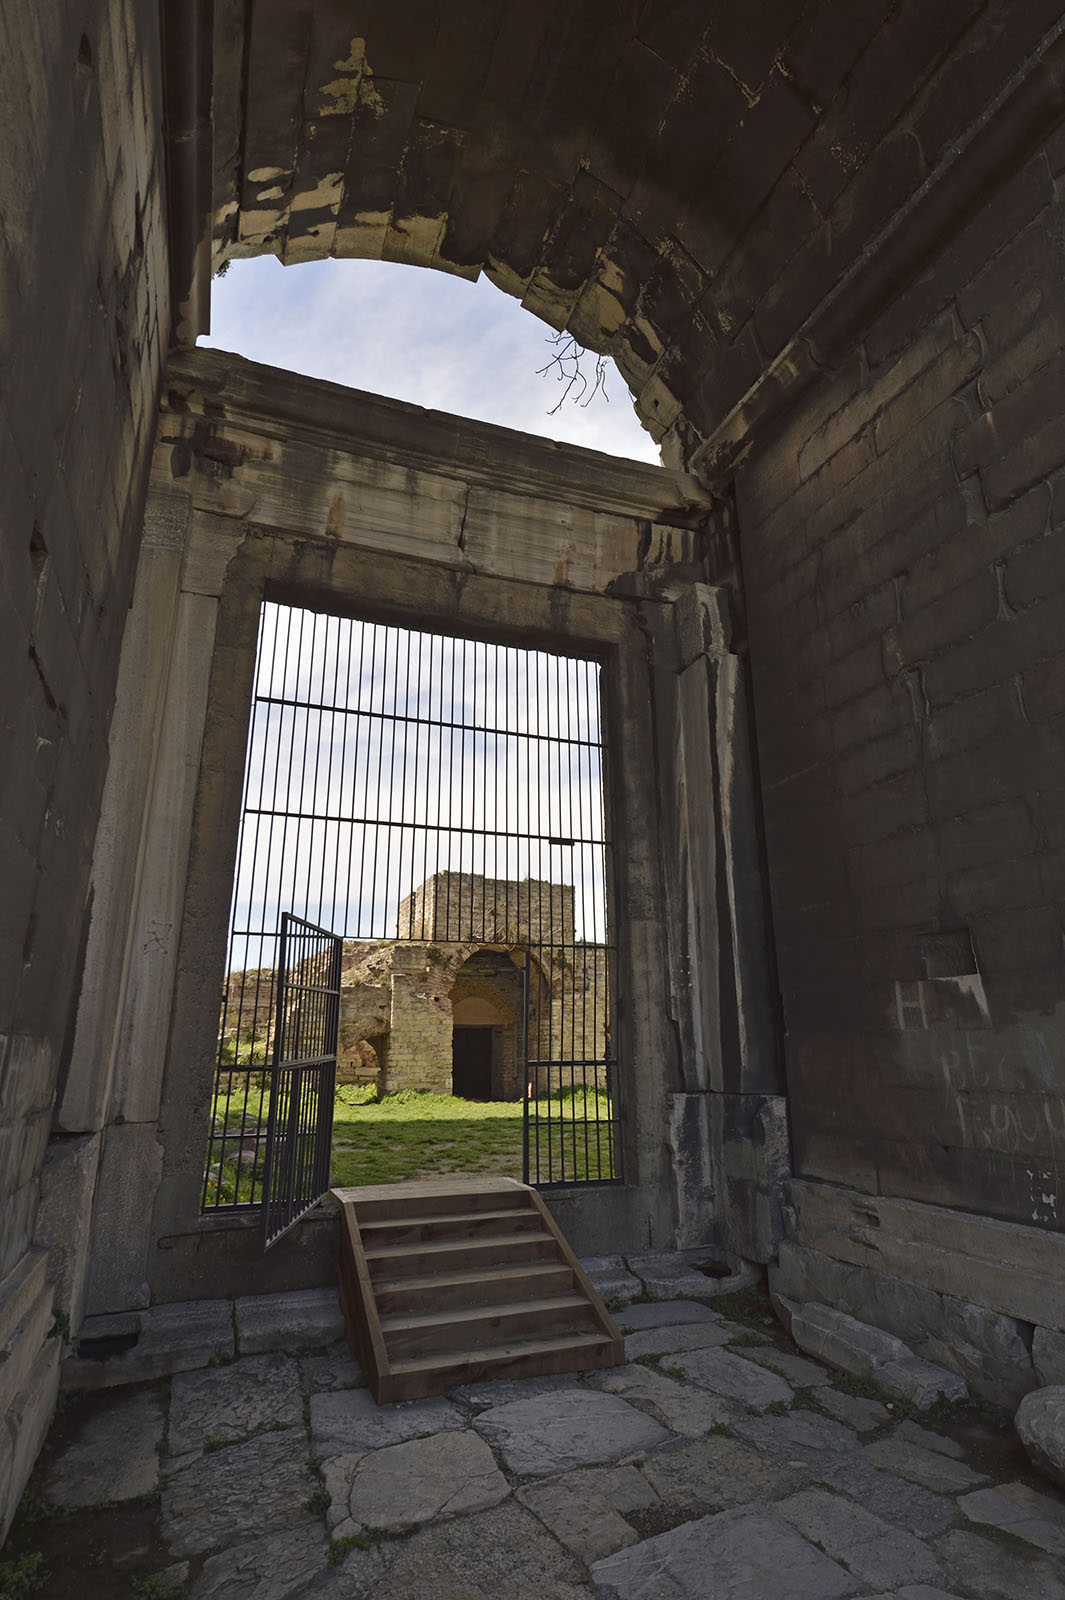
(131, 1162)
(64, 1218)
(1040, 1422)
(844, 1342)
(170, 1338)
(1048, 1356)
(306, 1319)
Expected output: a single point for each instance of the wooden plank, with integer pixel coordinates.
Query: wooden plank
(415, 1379)
(485, 1286)
(360, 1307)
(455, 1253)
(471, 1328)
(602, 1315)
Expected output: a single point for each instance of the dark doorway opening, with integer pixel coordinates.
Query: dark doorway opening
(471, 1063)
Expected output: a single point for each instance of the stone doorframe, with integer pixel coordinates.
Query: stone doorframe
(265, 483)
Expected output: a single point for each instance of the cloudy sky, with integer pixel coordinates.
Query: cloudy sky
(420, 336)
(378, 757)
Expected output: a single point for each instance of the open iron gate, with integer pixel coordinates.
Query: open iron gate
(299, 1131)
(408, 788)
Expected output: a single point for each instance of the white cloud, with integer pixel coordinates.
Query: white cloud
(419, 336)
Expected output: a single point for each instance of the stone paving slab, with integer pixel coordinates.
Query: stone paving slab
(988, 1570)
(502, 1554)
(587, 1524)
(748, 1553)
(729, 1375)
(218, 1405)
(684, 1410)
(913, 1433)
(677, 1336)
(916, 1591)
(854, 1410)
(624, 1487)
(574, 1427)
(896, 1557)
(661, 1313)
(501, 1391)
(239, 1493)
(1038, 1519)
(405, 1485)
(334, 1369)
(716, 1474)
(795, 1369)
(831, 1520)
(115, 1457)
(906, 1505)
(931, 1469)
(801, 1435)
(278, 1567)
(348, 1422)
(668, 1277)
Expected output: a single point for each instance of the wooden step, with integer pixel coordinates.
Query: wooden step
(481, 1284)
(388, 1200)
(476, 1287)
(403, 1260)
(447, 1225)
(411, 1379)
(437, 1333)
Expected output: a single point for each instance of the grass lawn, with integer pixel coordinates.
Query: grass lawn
(413, 1135)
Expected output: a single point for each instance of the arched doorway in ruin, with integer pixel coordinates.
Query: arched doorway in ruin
(487, 1026)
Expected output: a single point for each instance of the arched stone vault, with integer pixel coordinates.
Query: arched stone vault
(680, 185)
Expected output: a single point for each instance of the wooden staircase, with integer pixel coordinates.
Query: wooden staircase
(448, 1281)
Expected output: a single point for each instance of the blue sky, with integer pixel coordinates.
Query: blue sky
(416, 335)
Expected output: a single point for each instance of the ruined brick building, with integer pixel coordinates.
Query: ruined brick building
(825, 241)
(447, 1012)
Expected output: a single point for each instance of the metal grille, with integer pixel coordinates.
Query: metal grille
(303, 1077)
(406, 787)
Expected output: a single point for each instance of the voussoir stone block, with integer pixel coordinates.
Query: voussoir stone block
(1040, 1422)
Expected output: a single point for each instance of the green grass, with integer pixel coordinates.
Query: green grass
(414, 1134)
(411, 1135)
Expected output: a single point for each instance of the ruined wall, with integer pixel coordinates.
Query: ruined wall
(83, 327)
(903, 541)
(467, 906)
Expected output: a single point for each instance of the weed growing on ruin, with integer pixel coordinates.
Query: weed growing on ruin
(340, 1549)
(23, 1577)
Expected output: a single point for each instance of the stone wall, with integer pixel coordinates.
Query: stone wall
(83, 330)
(465, 907)
(903, 539)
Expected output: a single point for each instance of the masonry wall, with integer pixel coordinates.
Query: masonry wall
(83, 328)
(903, 542)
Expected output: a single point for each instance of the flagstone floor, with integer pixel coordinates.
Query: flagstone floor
(718, 1463)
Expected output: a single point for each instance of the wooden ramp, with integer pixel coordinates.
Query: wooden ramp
(447, 1281)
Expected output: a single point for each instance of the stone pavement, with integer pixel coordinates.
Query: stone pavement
(718, 1463)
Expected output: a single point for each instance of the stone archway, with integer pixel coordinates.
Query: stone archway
(487, 1003)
